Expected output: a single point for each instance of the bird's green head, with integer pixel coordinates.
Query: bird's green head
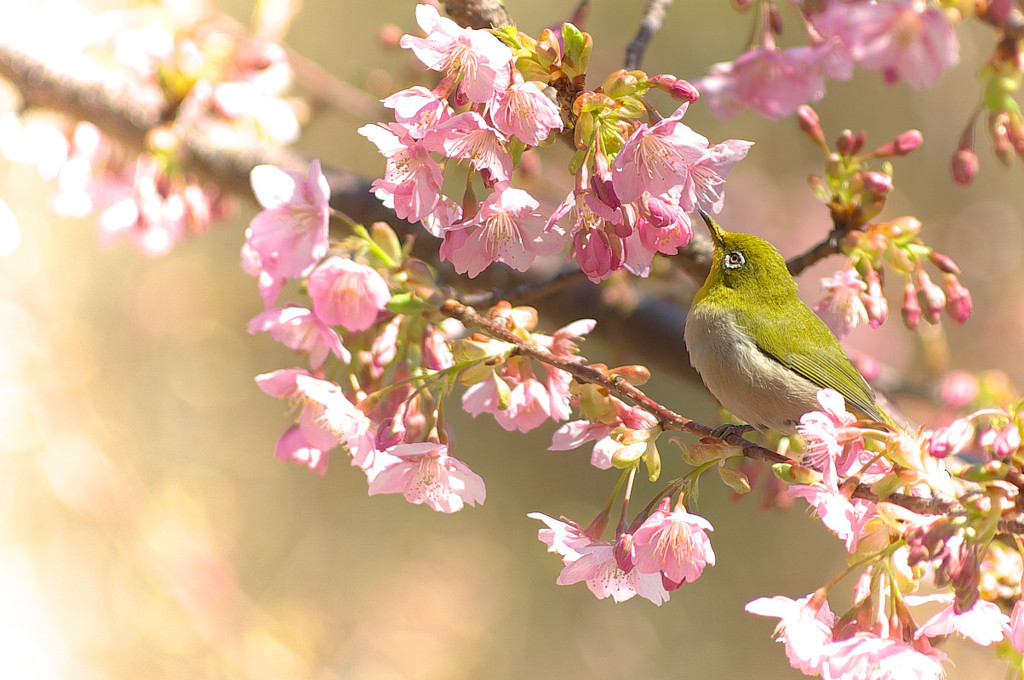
(747, 265)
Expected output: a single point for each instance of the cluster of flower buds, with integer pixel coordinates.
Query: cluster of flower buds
(854, 295)
(503, 92)
(1000, 84)
(855, 194)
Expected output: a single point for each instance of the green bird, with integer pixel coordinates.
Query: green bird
(759, 349)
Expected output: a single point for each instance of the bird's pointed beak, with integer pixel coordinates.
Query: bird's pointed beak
(713, 228)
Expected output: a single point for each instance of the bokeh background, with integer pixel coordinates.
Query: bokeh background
(147, 531)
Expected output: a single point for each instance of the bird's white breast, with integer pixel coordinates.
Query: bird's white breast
(751, 385)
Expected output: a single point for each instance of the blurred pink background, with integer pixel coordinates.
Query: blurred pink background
(147, 531)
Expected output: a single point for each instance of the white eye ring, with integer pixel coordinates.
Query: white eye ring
(734, 260)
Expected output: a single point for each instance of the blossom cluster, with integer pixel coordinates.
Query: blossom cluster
(911, 41)
(903, 550)
(666, 549)
(380, 357)
(189, 73)
(635, 183)
(907, 40)
(366, 393)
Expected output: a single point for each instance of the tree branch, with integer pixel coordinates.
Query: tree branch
(668, 419)
(827, 248)
(654, 15)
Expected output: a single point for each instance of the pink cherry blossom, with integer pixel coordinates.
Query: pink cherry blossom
(293, 447)
(524, 111)
(906, 39)
(467, 136)
(347, 293)
(657, 159)
(313, 395)
(952, 439)
(661, 224)
(563, 343)
(844, 516)
(412, 179)
(842, 308)
(507, 228)
(445, 215)
(868, 657)
(326, 417)
(300, 329)
(598, 567)
(773, 82)
(597, 230)
(565, 538)
(419, 108)
(805, 628)
(482, 61)
(1016, 634)
(424, 473)
(578, 432)
(984, 623)
(674, 544)
(528, 406)
(826, 432)
(706, 180)
(289, 236)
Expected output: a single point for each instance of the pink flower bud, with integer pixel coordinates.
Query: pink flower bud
(848, 143)
(930, 296)
(680, 90)
(964, 166)
(901, 146)
(944, 262)
(959, 389)
(874, 300)
(845, 142)
(911, 310)
(951, 440)
(877, 183)
(959, 304)
(998, 127)
(1003, 441)
(625, 555)
(999, 10)
(775, 19)
(810, 123)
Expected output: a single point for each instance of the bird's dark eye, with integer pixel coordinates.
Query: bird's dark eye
(734, 259)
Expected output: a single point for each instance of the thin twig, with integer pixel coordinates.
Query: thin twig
(654, 16)
(828, 247)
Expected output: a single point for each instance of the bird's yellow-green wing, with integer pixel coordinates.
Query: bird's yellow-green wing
(814, 353)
